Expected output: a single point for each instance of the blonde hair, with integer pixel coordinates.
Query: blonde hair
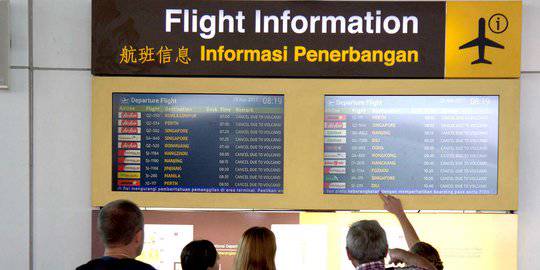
(257, 250)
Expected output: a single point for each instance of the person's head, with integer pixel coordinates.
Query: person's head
(120, 225)
(366, 242)
(199, 255)
(257, 250)
(428, 252)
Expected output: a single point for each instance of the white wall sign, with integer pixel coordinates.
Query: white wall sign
(301, 246)
(164, 243)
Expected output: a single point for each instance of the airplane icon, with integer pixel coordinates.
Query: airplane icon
(481, 42)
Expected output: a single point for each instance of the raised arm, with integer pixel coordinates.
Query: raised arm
(410, 259)
(393, 205)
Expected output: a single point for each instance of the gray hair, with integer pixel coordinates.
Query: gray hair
(366, 241)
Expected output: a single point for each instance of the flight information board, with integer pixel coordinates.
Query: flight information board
(411, 144)
(197, 143)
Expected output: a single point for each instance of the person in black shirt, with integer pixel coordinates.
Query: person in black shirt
(121, 227)
(199, 255)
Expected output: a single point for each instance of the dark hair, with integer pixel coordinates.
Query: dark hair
(119, 221)
(428, 252)
(198, 255)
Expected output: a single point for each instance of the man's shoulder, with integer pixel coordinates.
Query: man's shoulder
(108, 263)
(142, 265)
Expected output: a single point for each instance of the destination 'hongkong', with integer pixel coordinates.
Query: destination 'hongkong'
(302, 54)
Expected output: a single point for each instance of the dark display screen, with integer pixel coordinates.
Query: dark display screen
(411, 144)
(197, 143)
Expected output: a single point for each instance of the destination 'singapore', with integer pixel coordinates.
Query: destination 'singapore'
(388, 57)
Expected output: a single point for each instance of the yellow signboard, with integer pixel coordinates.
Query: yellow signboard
(303, 157)
(483, 39)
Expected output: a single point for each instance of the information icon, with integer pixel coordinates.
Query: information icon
(498, 23)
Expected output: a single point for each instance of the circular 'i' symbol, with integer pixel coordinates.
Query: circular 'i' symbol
(498, 23)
